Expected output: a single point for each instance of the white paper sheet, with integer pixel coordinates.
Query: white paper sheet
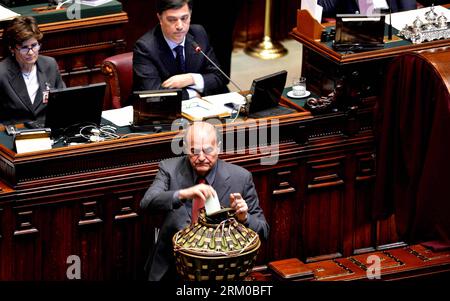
(33, 144)
(314, 9)
(120, 117)
(221, 99)
(198, 109)
(7, 14)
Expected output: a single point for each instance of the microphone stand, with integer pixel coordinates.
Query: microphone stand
(198, 49)
(247, 96)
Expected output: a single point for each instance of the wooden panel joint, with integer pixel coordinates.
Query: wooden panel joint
(24, 223)
(89, 216)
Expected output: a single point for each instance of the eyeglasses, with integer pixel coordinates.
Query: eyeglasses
(207, 151)
(25, 49)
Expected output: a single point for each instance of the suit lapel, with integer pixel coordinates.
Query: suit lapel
(186, 179)
(222, 183)
(18, 84)
(42, 79)
(165, 53)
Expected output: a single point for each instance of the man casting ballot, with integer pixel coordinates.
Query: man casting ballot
(198, 175)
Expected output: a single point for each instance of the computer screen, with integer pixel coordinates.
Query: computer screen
(156, 107)
(359, 32)
(266, 91)
(74, 106)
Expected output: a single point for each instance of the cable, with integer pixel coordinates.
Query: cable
(237, 114)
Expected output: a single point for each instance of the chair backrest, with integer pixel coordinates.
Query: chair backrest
(118, 72)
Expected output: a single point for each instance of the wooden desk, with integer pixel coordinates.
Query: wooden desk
(361, 74)
(84, 200)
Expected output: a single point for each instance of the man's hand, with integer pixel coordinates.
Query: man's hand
(200, 191)
(238, 203)
(178, 81)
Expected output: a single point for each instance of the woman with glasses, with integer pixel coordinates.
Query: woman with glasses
(25, 76)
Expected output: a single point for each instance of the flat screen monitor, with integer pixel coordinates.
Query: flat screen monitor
(266, 91)
(74, 106)
(359, 32)
(156, 107)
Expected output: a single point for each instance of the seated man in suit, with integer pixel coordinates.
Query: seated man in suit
(174, 189)
(164, 57)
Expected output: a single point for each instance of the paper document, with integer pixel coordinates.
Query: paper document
(314, 9)
(120, 117)
(200, 109)
(221, 99)
(400, 19)
(7, 14)
(33, 144)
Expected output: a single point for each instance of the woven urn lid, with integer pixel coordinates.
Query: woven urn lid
(216, 247)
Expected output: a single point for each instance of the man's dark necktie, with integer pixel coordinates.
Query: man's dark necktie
(197, 204)
(181, 64)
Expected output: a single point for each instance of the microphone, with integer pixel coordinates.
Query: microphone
(198, 49)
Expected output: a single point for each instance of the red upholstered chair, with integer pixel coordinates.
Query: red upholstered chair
(118, 72)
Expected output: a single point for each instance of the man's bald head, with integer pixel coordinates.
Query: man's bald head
(202, 146)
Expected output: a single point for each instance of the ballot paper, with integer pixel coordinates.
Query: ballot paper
(212, 204)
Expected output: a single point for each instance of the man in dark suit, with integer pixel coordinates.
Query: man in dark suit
(174, 189)
(164, 57)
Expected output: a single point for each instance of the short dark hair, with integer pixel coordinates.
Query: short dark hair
(163, 5)
(20, 29)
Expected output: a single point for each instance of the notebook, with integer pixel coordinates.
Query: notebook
(359, 32)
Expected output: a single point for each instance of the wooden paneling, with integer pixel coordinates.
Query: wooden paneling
(84, 200)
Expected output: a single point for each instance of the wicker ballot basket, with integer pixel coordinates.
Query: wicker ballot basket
(215, 248)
